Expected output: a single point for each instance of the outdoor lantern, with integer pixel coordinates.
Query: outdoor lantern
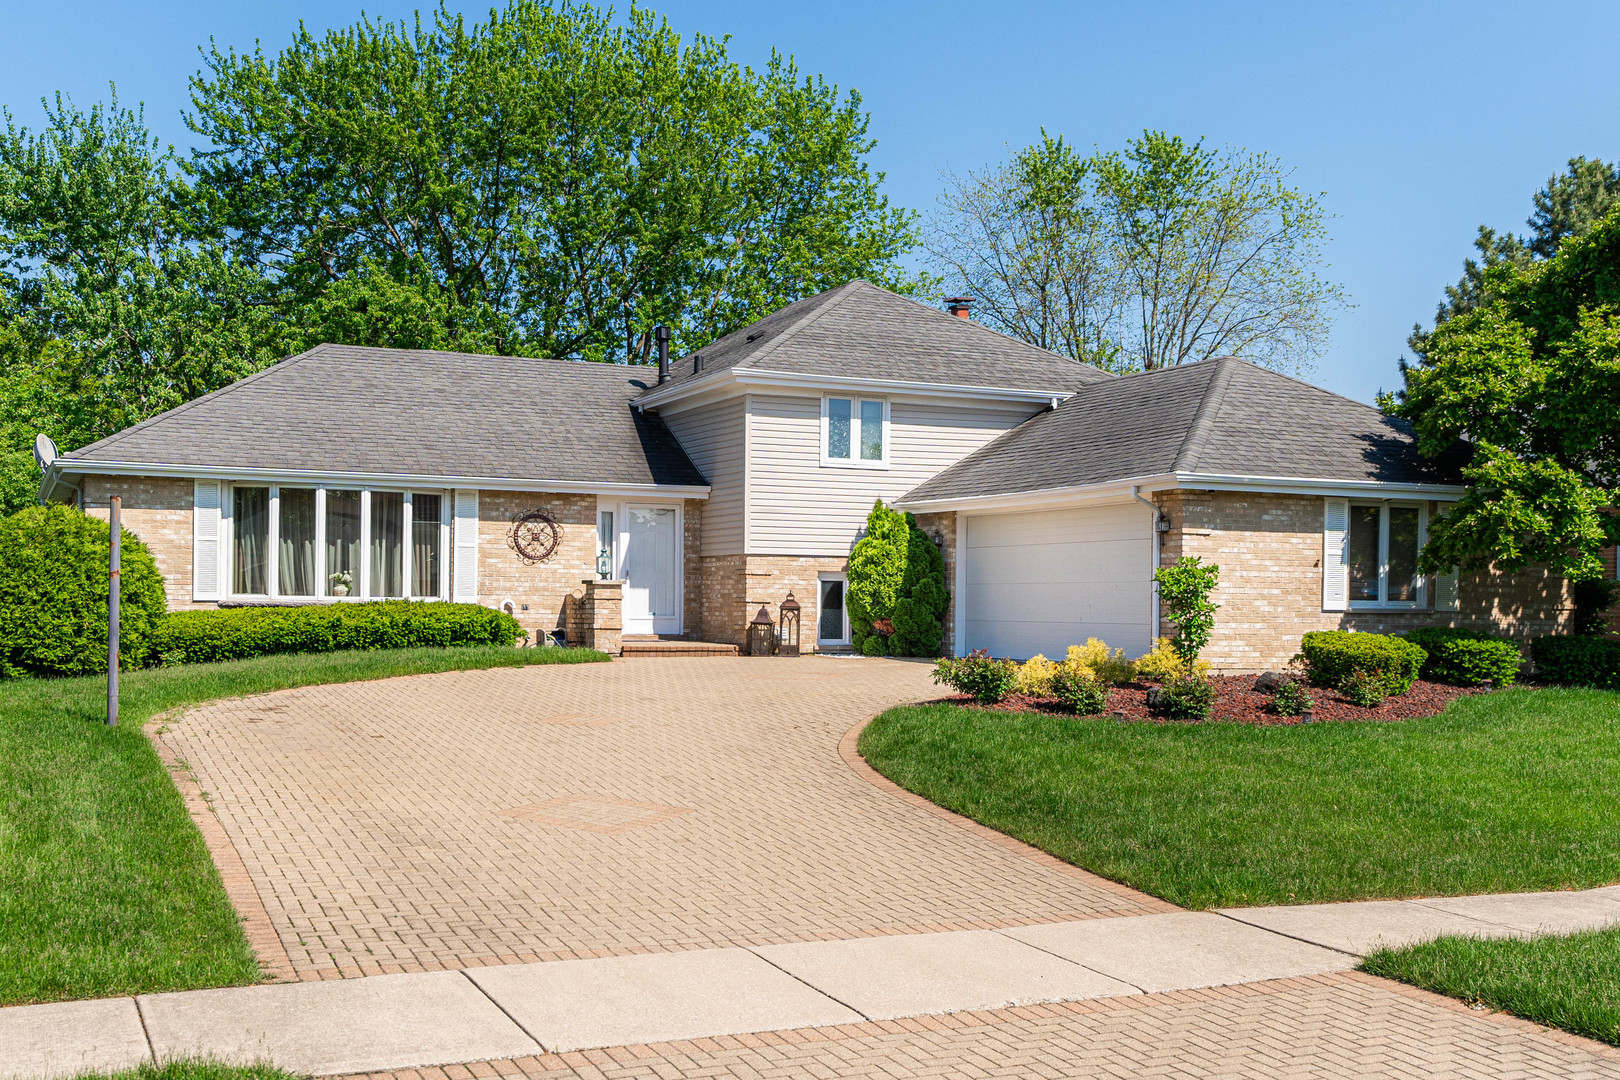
(788, 639)
(761, 634)
(604, 564)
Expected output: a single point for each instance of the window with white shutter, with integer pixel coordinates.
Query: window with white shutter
(464, 538)
(1335, 554)
(205, 558)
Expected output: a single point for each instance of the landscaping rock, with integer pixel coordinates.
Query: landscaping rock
(1270, 681)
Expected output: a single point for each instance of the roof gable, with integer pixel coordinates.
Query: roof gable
(859, 330)
(1224, 417)
(340, 408)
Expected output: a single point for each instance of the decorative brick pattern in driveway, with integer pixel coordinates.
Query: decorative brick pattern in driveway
(492, 817)
(1323, 1028)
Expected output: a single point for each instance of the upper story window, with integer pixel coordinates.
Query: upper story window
(1385, 539)
(308, 543)
(855, 432)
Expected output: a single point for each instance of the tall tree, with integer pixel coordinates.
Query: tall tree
(1152, 256)
(565, 181)
(111, 307)
(1570, 204)
(1528, 377)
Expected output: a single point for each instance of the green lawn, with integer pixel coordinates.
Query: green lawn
(1570, 982)
(106, 886)
(1503, 792)
(193, 1070)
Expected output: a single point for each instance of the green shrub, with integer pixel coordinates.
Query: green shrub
(1187, 697)
(1078, 691)
(896, 592)
(1466, 657)
(1593, 597)
(1578, 661)
(53, 594)
(202, 637)
(985, 679)
(1332, 656)
(1292, 699)
(1364, 687)
(1184, 590)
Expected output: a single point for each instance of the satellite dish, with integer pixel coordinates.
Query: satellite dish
(44, 451)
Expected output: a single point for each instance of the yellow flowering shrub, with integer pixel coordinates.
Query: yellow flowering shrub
(1096, 659)
(1164, 664)
(1035, 676)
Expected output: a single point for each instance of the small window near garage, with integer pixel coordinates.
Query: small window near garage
(855, 432)
(1385, 540)
(832, 618)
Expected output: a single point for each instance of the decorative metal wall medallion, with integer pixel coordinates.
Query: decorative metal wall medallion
(534, 536)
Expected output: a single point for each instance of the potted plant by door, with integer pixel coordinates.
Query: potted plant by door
(342, 582)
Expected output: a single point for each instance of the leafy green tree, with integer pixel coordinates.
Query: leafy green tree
(896, 592)
(1569, 205)
(1529, 381)
(1155, 255)
(1184, 590)
(564, 181)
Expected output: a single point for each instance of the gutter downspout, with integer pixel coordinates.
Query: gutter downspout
(1136, 493)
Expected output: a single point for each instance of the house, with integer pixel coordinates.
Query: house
(618, 502)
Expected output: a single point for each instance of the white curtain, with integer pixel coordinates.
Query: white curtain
(297, 542)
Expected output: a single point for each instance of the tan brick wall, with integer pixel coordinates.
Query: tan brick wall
(544, 587)
(771, 577)
(1269, 549)
(692, 569)
(723, 599)
(158, 510)
(942, 527)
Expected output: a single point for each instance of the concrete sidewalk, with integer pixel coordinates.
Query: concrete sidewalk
(433, 1018)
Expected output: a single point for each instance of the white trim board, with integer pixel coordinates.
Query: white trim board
(733, 379)
(1278, 485)
(315, 477)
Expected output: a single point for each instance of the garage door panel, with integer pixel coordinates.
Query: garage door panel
(1080, 562)
(1039, 582)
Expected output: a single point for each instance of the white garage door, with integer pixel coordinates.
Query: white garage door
(1040, 582)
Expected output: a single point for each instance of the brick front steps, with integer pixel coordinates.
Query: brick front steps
(649, 645)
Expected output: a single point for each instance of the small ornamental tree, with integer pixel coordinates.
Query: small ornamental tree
(896, 594)
(1184, 591)
(53, 594)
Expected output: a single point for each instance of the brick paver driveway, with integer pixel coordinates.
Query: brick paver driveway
(523, 814)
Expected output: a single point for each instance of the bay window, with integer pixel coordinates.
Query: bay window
(315, 543)
(855, 432)
(1385, 539)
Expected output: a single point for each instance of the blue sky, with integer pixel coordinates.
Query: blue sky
(1418, 123)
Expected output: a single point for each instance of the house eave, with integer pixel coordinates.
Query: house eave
(64, 467)
(744, 379)
(1275, 485)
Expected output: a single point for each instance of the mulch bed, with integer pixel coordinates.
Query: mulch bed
(1236, 699)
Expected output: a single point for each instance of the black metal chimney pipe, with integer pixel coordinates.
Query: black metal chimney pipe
(661, 334)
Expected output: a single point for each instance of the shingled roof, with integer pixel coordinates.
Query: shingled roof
(342, 408)
(1223, 417)
(859, 330)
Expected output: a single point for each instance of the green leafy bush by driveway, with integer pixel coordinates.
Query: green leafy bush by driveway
(53, 594)
(979, 675)
(199, 637)
(897, 595)
(1335, 656)
(1578, 661)
(1466, 657)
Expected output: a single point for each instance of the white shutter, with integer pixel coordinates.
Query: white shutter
(1335, 554)
(464, 539)
(1445, 591)
(205, 551)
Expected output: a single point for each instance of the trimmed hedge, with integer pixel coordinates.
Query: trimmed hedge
(1333, 656)
(203, 637)
(53, 594)
(1466, 657)
(1578, 661)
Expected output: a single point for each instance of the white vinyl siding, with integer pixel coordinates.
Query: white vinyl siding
(1041, 581)
(714, 438)
(796, 506)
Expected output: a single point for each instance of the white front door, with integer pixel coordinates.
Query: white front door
(650, 565)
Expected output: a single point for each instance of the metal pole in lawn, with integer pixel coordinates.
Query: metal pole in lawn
(114, 587)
